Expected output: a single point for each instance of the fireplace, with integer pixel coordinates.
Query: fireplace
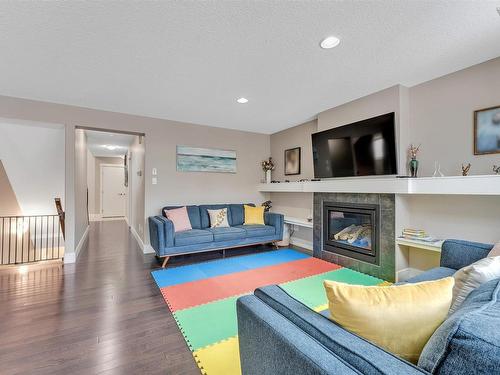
(352, 230)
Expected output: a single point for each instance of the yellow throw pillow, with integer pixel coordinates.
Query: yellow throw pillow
(254, 215)
(399, 318)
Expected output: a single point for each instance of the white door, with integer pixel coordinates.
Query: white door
(114, 196)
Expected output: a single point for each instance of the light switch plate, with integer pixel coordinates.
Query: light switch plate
(154, 181)
(155, 172)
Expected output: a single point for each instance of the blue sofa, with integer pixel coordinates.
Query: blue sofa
(280, 335)
(166, 242)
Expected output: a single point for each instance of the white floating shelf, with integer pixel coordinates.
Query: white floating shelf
(298, 222)
(432, 246)
(454, 185)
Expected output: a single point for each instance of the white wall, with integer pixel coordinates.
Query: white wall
(162, 136)
(80, 168)
(91, 183)
(33, 157)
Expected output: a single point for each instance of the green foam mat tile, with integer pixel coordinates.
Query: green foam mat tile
(311, 292)
(207, 324)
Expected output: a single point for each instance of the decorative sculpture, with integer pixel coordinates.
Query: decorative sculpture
(267, 205)
(466, 169)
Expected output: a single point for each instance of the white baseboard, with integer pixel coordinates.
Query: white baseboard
(72, 257)
(407, 273)
(137, 237)
(95, 217)
(146, 249)
(301, 243)
(99, 217)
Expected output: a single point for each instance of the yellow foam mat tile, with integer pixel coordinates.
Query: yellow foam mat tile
(385, 283)
(222, 358)
(321, 307)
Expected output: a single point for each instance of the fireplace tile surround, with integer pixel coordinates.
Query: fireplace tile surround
(386, 268)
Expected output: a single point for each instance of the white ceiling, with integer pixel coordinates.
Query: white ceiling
(97, 142)
(190, 60)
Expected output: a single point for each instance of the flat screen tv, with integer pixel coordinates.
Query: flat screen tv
(363, 148)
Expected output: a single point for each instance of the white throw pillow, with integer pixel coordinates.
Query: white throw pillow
(218, 218)
(471, 277)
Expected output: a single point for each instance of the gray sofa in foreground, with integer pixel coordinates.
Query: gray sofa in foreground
(279, 335)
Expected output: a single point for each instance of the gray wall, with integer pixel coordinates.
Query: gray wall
(161, 139)
(441, 118)
(136, 186)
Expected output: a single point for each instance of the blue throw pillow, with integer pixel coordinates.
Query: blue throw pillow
(468, 342)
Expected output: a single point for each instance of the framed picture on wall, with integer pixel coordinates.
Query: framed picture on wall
(292, 161)
(487, 131)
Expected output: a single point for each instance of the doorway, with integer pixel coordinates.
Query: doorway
(114, 164)
(113, 191)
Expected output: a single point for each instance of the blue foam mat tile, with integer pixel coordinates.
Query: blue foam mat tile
(194, 272)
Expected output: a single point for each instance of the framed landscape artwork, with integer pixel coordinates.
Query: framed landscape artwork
(197, 159)
(292, 161)
(487, 131)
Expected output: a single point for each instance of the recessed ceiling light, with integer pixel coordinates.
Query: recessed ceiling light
(110, 148)
(242, 100)
(329, 42)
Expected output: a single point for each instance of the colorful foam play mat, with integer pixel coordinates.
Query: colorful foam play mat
(202, 297)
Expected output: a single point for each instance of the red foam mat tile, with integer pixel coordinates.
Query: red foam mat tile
(183, 296)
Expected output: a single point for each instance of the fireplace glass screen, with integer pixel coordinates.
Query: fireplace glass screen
(351, 230)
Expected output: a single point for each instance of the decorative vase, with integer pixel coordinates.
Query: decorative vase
(437, 170)
(268, 176)
(414, 167)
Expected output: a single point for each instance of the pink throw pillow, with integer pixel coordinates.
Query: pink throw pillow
(180, 218)
(495, 252)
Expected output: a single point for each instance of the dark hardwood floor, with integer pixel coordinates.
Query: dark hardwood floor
(103, 314)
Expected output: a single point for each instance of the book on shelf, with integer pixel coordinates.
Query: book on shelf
(414, 232)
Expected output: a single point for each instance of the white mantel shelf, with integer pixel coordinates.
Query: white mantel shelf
(452, 185)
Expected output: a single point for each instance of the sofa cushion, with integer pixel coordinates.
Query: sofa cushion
(238, 213)
(205, 218)
(193, 236)
(258, 230)
(468, 342)
(227, 233)
(193, 213)
(433, 274)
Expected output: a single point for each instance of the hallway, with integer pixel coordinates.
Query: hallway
(103, 314)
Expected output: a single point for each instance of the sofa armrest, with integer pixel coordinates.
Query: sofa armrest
(275, 220)
(271, 345)
(161, 233)
(457, 254)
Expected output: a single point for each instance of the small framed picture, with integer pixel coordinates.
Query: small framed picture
(292, 161)
(487, 131)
